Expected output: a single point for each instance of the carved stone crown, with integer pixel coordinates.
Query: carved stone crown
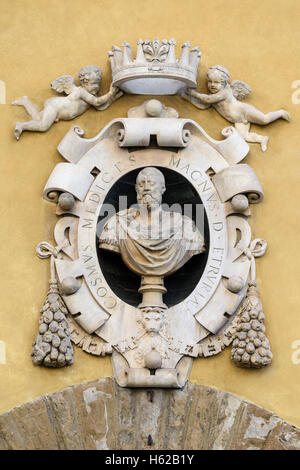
(155, 70)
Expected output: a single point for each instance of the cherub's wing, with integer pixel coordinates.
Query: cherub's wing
(240, 89)
(63, 84)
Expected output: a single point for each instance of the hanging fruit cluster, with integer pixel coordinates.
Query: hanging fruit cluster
(52, 346)
(251, 348)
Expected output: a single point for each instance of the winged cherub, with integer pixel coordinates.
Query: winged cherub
(225, 96)
(65, 108)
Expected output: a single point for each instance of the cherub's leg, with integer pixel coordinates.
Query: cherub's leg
(30, 108)
(260, 139)
(257, 117)
(252, 137)
(48, 117)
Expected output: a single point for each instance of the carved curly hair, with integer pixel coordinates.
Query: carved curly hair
(85, 73)
(148, 170)
(222, 70)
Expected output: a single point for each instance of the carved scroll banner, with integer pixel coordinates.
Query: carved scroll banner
(239, 179)
(68, 178)
(169, 132)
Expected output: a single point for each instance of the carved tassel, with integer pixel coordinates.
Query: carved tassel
(250, 347)
(52, 346)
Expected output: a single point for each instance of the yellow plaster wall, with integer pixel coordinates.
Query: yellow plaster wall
(259, 42)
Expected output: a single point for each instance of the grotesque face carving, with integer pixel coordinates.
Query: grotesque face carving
(150, 186)
(152, 319)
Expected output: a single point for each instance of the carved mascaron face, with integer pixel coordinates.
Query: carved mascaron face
(152, 319)
(150, 186)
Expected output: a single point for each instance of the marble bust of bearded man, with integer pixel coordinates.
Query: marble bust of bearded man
(151, 240)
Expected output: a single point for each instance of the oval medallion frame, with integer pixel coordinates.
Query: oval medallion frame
(199, 325)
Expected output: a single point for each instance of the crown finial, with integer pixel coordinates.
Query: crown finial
(118, 56)
(184, 58)
(171, 56)
(140, 58)
(112, 61)
(127, 54)
(194, 59)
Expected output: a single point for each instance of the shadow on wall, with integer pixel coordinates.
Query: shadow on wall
(2, 92)
(2, 352)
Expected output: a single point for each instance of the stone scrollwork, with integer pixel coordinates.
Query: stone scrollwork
(153, 341)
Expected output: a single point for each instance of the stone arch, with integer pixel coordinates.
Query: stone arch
(101, 415)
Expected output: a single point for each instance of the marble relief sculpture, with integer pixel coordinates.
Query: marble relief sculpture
(152, 241)
(153, 343)
(77, 100)
(152, 338)
(225, 98)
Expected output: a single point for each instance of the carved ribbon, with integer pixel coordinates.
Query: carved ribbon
(256, 249)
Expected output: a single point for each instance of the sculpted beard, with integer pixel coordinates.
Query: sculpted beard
(150, 199)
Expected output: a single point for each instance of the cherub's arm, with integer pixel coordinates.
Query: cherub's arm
(99, 101)
(209, 99)
(188, 97)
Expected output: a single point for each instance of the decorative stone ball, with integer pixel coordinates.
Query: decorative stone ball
(257, 342)
(54, 354)
(66, 201)
(53, 195)
(246, 326)
(250, 348)
(70, 285)
(240, 202)
(47, 337)
(242, 335)
(47, 317)
(53, 327)
(55, 341)
(154, 108)
(43, 328)
(61, 333)
(235, 283)
(110, 302)
(153, 360)
(256, 325)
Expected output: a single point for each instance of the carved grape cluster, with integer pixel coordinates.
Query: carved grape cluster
(52, 346)
(251, 348)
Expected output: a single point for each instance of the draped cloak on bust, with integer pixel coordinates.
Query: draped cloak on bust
(154, 250)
